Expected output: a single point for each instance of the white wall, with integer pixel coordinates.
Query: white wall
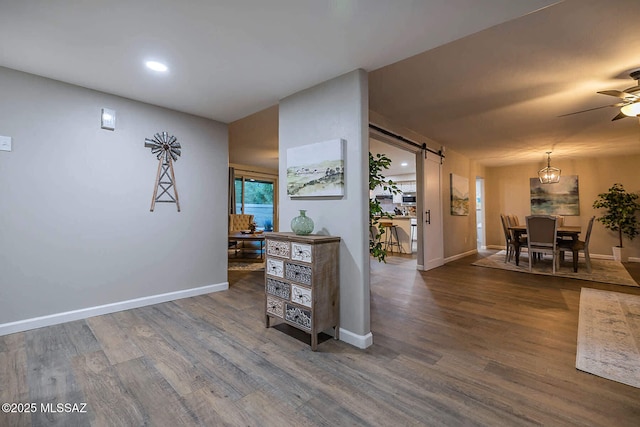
(75, 226)
(336, 109)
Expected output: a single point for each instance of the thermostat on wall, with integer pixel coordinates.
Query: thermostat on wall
(5, 143)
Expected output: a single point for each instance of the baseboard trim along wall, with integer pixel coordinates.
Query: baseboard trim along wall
(462, 255)
(84, 313)
(359, 341)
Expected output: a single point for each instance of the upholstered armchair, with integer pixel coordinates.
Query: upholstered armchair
(238, 222)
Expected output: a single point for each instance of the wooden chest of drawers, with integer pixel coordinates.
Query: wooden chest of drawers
(302, 282)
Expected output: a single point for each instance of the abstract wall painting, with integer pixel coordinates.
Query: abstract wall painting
(561, 198)
(316, 170)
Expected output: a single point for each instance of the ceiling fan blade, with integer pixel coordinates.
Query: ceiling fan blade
(618, 94)
(620, 104)
(620, 115)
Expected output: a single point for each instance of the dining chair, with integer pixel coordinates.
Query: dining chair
(511, 249)
(509, 221)
(579, 245)
(542, 233)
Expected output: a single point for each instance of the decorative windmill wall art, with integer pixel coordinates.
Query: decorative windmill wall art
(167, 149)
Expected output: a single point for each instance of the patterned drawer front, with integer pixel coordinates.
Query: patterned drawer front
(298, 316)
(300, 252)
(301, 295)
(275, 267)
(278, 248)
(278, 288)
(298, 273)
(275, 306)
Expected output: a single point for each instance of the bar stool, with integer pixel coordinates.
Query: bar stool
(392, 236)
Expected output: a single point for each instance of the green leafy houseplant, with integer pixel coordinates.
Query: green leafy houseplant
(621, 211)
(377, 164)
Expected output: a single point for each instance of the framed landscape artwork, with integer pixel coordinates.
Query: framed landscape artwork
(561, 198)
(459, 195)
(316, 170)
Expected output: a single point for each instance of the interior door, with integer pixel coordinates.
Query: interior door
(433, 246)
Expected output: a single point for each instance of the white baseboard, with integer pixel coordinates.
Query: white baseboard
(462, 255)
(360, 341)
(84, 313)
(610, 257)
(593, 256)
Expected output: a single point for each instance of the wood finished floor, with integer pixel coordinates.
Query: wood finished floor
(458, 345)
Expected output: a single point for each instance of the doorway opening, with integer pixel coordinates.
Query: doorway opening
(401, 236)
(428, 227)
(480, 229)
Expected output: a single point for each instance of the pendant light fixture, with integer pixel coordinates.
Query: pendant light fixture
(549, 175)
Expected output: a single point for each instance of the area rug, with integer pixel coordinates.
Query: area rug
(609, 335)
(603, 271)
(246, 266)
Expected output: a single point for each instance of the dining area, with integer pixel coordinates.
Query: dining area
(546, 236)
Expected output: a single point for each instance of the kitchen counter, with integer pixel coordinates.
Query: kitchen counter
(403, 223)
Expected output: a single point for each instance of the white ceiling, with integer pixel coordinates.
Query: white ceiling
(487, 84)
(227, 58)
(496, 95)
(397, 155)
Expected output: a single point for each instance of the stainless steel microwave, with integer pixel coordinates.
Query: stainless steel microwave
(409, 199)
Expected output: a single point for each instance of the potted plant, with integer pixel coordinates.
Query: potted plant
(620, 215)
(376, 164)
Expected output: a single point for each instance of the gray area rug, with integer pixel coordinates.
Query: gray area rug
(246, 266)
(609, 335)
(603, 271)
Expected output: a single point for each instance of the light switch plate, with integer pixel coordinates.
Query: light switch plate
(108, 119)
(5, 143)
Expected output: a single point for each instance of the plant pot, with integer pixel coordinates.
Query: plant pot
(620, 254)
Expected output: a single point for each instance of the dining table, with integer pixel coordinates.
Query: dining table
(572, 231)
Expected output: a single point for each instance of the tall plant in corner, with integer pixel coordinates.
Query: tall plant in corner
(376, 165)
(620, 215)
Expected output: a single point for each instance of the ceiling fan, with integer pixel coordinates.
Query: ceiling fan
(630, 104)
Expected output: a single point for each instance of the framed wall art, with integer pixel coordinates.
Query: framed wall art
(316, 170)
(561, 198)
(459, 195)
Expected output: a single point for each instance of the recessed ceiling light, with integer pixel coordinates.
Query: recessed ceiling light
(156, 66)
(404, 164)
